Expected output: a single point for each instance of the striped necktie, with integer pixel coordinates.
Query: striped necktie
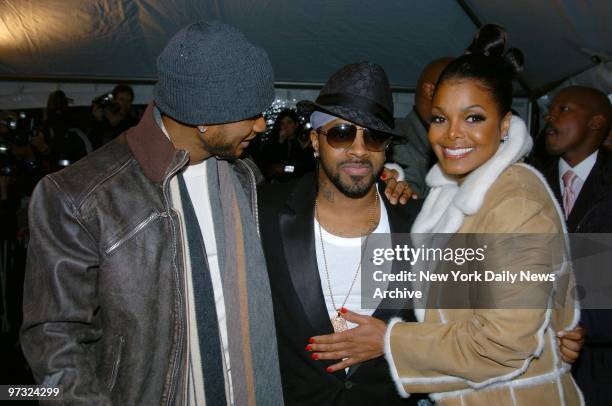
(571, 185)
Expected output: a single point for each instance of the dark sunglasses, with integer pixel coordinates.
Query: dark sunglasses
(342, 136)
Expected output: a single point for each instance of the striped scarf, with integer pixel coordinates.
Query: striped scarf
(253, 357)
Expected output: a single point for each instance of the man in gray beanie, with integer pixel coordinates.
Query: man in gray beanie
(145, 282)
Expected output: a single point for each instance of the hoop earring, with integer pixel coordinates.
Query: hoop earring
(506, 137)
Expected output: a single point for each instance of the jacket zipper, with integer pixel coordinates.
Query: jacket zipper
(179, 349)
(253, 184)
(132, 233)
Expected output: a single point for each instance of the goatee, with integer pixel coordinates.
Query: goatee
(359, 185)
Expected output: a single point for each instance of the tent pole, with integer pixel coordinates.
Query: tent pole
(470, 13)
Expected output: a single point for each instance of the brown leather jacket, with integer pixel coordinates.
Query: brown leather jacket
(103, 305)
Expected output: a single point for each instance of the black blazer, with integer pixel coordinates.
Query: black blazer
(592, 209)
(592, 213)
(286, 225)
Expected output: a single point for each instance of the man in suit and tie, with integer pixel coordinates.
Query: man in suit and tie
(578, 121)
(311, 231)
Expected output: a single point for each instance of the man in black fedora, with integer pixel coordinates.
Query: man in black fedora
(311, 231)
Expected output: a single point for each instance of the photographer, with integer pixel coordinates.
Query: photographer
(112, 113)
(23, 156)
(284, 157)
(21, 167)
(7, 164)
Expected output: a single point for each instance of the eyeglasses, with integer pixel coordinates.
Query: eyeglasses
(342, 136)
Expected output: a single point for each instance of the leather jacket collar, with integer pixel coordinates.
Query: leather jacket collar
(151, 148)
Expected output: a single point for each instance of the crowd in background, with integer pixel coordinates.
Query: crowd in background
(32, 147)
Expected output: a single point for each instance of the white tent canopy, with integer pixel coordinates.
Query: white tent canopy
(94, 43)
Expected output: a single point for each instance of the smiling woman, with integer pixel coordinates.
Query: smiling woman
(466, 127)
(501, 356)
(471, 106)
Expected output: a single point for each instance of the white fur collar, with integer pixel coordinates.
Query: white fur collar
(448, 203)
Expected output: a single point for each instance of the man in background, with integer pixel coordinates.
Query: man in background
(413, 153)
(113, 114)
(577, 122)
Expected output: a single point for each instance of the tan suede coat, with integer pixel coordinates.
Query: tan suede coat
(495, 356)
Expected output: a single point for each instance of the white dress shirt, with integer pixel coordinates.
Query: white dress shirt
(582, 170)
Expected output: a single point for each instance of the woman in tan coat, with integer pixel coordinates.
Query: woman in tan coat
(501, 356)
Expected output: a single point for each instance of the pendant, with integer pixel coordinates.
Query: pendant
(339, 323)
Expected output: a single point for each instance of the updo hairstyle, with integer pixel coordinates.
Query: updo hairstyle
(486, 61)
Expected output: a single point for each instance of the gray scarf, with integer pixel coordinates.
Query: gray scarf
(246, 288)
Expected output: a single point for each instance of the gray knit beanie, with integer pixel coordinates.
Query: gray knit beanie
(210, 74)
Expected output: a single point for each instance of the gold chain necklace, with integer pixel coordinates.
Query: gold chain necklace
(338, 322)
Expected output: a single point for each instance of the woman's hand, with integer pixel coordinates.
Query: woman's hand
(570, 344)
(396, 191)
(352, 346)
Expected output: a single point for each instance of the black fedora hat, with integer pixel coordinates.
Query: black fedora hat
(359, 93)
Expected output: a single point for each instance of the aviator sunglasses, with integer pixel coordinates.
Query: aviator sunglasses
(342, 136)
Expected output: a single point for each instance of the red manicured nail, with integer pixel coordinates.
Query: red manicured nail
(329, 369)
(309, 347)
(383, 176)
(315, 356)
(311, 340)
(343, 310)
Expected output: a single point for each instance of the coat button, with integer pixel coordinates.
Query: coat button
(348, 384)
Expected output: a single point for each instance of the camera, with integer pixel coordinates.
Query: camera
(7, 161)
(62, 163)
(107, 102)
(21, 130)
